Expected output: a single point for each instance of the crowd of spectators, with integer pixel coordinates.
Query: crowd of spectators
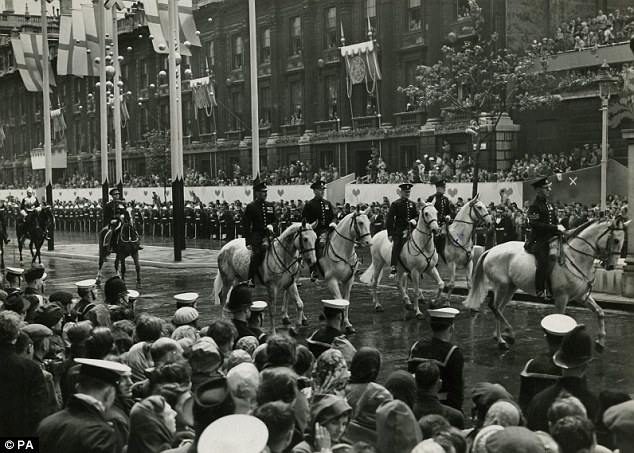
(459, 168)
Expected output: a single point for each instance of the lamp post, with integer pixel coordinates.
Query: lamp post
(605, 81)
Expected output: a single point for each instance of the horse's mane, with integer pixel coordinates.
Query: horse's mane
(291, 229)
(581, 227)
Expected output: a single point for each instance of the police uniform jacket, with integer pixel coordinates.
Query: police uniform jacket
(80, 428)
(111, 211)
(321, 340)
(29, 203)
(442, 205)
(320, 210)
(257, 215)
(504, 230)
(538, 374)
(543, 222)
(398, 217)
(450, 362)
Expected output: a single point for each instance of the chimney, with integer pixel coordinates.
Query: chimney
(8, 6)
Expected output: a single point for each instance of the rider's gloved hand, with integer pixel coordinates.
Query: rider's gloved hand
(249, 247)
(332, 225)
(389, 238)
(413, 222)
(270, 228)
(561, 228)
(447, 218)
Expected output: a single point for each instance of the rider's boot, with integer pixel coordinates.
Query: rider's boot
(393, 270)
(314, 275)
(250, 283)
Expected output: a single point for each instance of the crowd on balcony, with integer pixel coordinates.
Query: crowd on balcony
(577, 33)
(431, 168)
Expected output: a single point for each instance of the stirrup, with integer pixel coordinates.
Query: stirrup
(250, 283)
(314, 276)
(393, 270)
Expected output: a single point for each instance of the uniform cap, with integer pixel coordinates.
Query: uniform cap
(115, 191)
(114, 287)
(62, 297)
(35, 331)
(318, 185)
(575, 349)
(406, 186)
(335, 303)
(48, 315)
(443, 313)
(104, 370)
(14, 271)
(237, 433)
(558, 325)
(133, 294)
(258, 305)
(186, 298)
(33, 274)
(185, 315)
(259, 186)
(239, 298)
(441, 183)
(542, 182)
(86, 284)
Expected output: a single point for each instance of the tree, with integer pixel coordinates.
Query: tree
(158, 156)
(476, 79)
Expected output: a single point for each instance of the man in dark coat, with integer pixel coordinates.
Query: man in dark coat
(23, 391)
(239, 305)
(257, 221)
(544, 225)
(573, 358)
(112, 215)
(428, 384)
(504, 229)
(400, 217)
(446, 212)
(82, 427)
(321, 339)
(446, 355)
(321, 211)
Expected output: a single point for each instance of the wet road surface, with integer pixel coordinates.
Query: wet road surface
(387, 331)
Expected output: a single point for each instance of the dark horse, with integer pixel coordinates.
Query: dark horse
(35, 227)
(127, 245)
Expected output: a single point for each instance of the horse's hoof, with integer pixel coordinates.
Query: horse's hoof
(598, 346)
(379, 309)
(350, 330)
(508, 339)
(420, 316)
(502, 346)
(286, 321)
(305, 322)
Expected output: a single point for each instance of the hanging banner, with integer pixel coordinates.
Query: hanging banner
(203, 95)
(362, 64)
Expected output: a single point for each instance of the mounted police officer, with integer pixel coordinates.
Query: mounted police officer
(319, 210)
(544, 226)
(446, 212)
(112, 215)
(28, 208)
(401, 215)
(258, 220)
(4, 215)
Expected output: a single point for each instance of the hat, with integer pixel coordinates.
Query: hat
(259, 186)
(186, 298)
(443, 313)
(104, 370)
(542, 182)
(16, 271)
(239, 298)
(514, 439)
(575, 349)
(29, 190)
(133, 294)
(326, 408)
(48, 315)
(185, 315)
(62, 297)
(35, 331)
(441, 183)
(86, 284)
(33, 274)
(318, 185)
(417, 161)
(211, 400)
(619, 419)
(237, 433)
(114, 287)
(114, 191)
(558, 325)
(205, 355)
(15, 302)
(338, 304)
(406, 186)
(258, 305)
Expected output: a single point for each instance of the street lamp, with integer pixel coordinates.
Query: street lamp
(605, 81)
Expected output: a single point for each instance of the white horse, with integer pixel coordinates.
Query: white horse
(418, 256)
(459, 244)
(508, 267)
(278, 269)
(338, 258)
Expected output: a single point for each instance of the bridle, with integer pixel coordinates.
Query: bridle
(479, 217)
(355, 236)
(296, 259)
(430, 234)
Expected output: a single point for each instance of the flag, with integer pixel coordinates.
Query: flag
(32, 81)
(28, 50)
(72, 56)
(156, 12)
(362, 64)
(108, 4)
(92, 27)
(59, 124)
(2, 136)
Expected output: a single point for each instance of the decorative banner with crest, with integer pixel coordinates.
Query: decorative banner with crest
(362, 65)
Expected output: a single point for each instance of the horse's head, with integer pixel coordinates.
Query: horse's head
(128, 217)
(361, 226)
(305, 240)
(478, 212)
(611, 248)
(428, 219)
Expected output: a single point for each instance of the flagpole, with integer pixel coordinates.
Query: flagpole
(117, 101)
(178, 195)
(253, 66)
(100, 14)
(48, 159)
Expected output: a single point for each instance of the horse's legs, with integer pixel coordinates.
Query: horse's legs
(468, 272)
(347, 289)
(452, 280)
(122, 258)
(272, 290)
(502, 296)
(285, 319)
(299, 304)
(592, 305)
(416, 287)
(439, 282)
(401, 285)
(378, 268)
(137, 266)
(333, 286)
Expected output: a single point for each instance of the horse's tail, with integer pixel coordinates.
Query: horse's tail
(478, 286)
(217, 288)
(366, 277)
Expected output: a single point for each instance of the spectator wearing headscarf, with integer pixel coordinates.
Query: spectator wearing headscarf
(330, 373)
(364, 369)
(362, 427)
(152, 425)
(397, 430)
(402, 386)
(329, 416)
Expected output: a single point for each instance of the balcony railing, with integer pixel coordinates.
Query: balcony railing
(366, 122)
(327, 126)
(265, 132)
(211, 137)
(416, 118)
(293, 129)
(233, 135)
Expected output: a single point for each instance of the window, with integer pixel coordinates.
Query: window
(414, 15)
(330, 84)
(460, 7)
(237, 48)
(265, 106)
(296, 36)
(370, 14)
(236, 106)
(265, 45)
(210, 58)
(331, 28)
(143, 75)
(296, 98)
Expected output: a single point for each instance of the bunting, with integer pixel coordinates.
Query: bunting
(28, 50)
(59, 124)
(92, 29)
(73, 56)
(156, 12)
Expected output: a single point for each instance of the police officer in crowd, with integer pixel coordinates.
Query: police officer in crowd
(321, 340)
(544, 225)
(258, 220)
(401, 215)
(238, 304)
(320, 210)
